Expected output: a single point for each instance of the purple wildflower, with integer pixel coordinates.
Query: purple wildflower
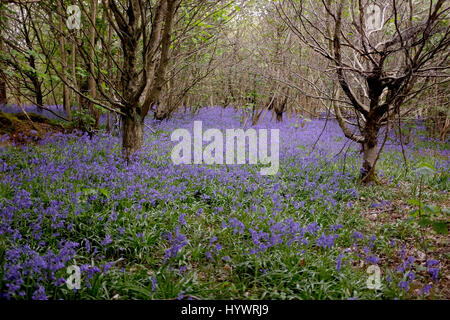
(339, 262)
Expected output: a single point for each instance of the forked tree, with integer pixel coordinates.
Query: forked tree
(147, 36)
(382, 53)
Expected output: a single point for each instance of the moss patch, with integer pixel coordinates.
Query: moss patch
(20, 130)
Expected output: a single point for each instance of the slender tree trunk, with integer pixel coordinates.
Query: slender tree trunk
(369, 151)
(160, 72)
(108, 67)
(3, 97)
(132, 134)
(108, 121)
(35, 80)
(39, 97)
(74, 67)
(62, 44)
(91, 82)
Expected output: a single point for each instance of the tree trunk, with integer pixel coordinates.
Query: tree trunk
(108, 67)
(369, 152)
(108, 121)
(39, 97)
(132, 134)
(62, 44)
(74, 72)
(91, 82)
(35, 80)
(3, 97)
(160, 72)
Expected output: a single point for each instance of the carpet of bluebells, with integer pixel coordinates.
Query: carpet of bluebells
(149, 229)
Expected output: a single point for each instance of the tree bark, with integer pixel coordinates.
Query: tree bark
(3, 97)
(74, 72)
(39, 97)
(159, 77)
(108, 67)
(132, 134)
(108, 122)
(35, 80)
(91, 82)
(369, 152)
(62, 44)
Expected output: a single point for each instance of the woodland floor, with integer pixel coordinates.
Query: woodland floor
(153, 230)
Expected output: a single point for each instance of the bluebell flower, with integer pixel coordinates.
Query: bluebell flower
(339, 262)
(39, 294)
(425, 290)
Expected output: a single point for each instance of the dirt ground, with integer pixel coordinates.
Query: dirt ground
(20, 130)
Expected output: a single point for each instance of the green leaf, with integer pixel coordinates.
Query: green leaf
(440, 227)
(410, 219)
(431, 209)
(89, 191)
(424, 168)
(414, 213)
(415, 202)
(104, 192)
(81, 72)
(424, 222)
